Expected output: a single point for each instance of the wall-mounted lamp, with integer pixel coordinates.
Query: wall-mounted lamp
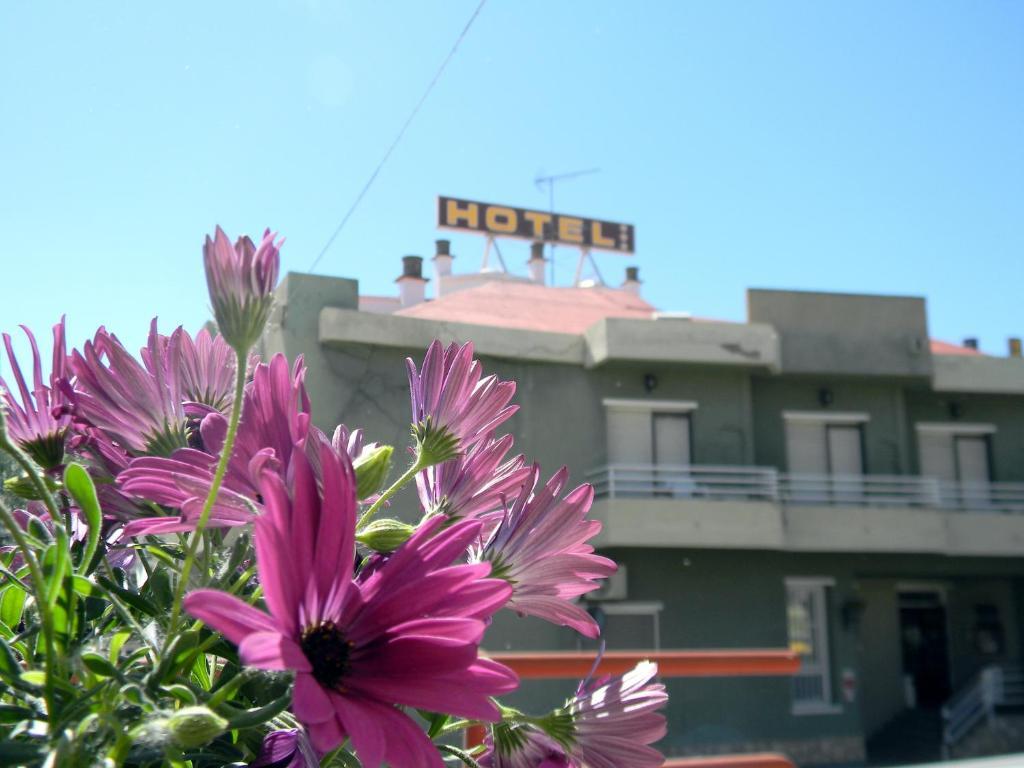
(825, 397)
(650, 382)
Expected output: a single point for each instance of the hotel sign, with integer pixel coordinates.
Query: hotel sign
(505, 221)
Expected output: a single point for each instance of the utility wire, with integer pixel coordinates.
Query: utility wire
(398, 138)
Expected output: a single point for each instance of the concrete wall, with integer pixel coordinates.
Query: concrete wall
(846, 334)
(881, 667)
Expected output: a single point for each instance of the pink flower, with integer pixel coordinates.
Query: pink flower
(206, 370)
(609, 723)
(149, 407)
(522, 745)
(453, 408)
(39, 422)
(241, 280)
(540, 548)
(275, 418)
(615, 719)
(474, 483)
(286, 749)
(406, 633)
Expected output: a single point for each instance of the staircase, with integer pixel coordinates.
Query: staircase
(994, 688)
(913, 736)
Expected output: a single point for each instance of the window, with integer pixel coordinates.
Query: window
(957, 451)
(807, 619)
(649, 431)
(825, 443)
(627, 626)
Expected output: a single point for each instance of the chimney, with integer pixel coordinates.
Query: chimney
(411, 284)
(632, 282)
(1015, 347)
(971, 343)
(442, 264)
(537, 263)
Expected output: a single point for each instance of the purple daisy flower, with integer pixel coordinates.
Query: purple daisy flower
(205, 369)
(406, 634)
(609, 723)
(474, 483)
(615, 719)
(241, 280)
(275, 417)
(540, 548)
(39, 423)
(453, 408)
(522, 745)
(138, 406)
(286, 749)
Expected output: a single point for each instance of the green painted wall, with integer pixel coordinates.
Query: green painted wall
(1006, 412)
(722, 598)
(885, 442)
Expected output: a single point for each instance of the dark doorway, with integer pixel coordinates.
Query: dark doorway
(925, 647)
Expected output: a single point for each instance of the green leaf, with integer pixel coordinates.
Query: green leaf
(34, 677)
(99, 666)
(10, 669)
(84, 587)
(133, 599)
(21, 753)
(182, 693)
(116, 643)
(339, 758)
(83, 491)
(180, 655)
(249, 717)
(12, 604)
(11, 714)
(56, 564)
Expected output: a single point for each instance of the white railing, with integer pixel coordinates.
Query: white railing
(860, 490)
(685, 481)
(698, 481)
(993, 687)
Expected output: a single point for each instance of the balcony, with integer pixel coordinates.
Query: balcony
(761, 508)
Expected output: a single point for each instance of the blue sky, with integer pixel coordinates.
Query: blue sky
(869, 146)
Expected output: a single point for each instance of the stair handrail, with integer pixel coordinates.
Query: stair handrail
(974, 702)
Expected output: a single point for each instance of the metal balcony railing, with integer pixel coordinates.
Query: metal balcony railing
(714, 482)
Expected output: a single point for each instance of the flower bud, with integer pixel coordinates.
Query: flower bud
(195, 726)
(241, 279)
(372, 468)
(385, 535)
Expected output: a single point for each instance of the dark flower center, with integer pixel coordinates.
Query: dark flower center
(327, 649)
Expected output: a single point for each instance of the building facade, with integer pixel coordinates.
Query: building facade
(822, 477)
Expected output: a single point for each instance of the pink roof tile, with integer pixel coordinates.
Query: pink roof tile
(532, 307)
(945, 348)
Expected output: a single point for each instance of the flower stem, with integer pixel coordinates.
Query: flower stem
(39, 591)
(39, 586)
(211, 497)
(410, 473)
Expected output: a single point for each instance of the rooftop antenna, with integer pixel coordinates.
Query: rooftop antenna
(540, 181)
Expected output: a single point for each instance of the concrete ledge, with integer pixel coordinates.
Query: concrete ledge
(676, 340)
(688, 523)
(985, 533)
(865, 529)
(703, 524)
(346, 326)
(970, 373)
